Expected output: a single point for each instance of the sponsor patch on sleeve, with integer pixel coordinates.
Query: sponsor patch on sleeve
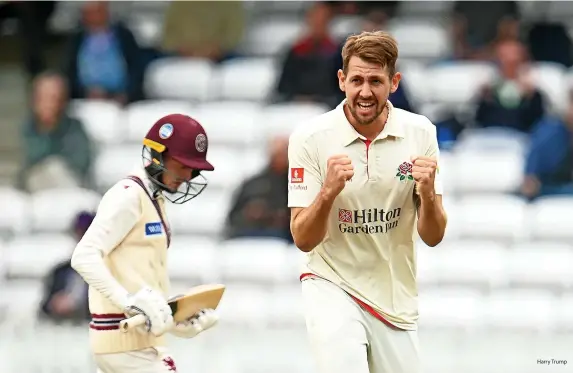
(153, 229)
(297, 175)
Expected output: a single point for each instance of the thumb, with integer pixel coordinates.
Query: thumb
(413, 158)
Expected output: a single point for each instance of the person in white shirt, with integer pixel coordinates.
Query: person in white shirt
(123, 254)
(364, 183)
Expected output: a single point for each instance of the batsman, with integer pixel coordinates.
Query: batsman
(123, 255)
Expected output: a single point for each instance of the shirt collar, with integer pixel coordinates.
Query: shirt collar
(150, 187)
(349, 134)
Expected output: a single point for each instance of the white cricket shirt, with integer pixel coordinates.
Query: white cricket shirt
(368, 249)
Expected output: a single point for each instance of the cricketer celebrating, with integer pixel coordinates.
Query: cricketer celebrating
(123, 254)
(362, 178)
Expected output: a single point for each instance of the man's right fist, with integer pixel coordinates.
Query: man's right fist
(339, 169)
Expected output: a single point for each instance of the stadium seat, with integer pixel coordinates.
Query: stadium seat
(447, 172)
(232, 166)
(462, 262)
(294, 264)
(142, 115)
(231, 123)
(490, 172)
(343, 26)
(492, 217)
(193, 258)
(54, 210)
(114, 163)
(458, 308)
(103, 120)
(245, 306)
(550, 79)
(458, 83)
(272, 36)
(548, 218)
(33, 256)
(541, 264)
(259, 260)
(246, 79)
(16, 211)
(454, 226)
(434, 9)
(283, 119)
(473, 140)
(426, 272)
(21, 299)
(515, 309)
(564, 319)
(186, 79)
(420, 39)
(286, 307)
(204, 215)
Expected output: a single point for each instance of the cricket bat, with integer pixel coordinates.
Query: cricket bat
(183, 306)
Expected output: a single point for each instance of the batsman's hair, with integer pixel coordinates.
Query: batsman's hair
(377, 47)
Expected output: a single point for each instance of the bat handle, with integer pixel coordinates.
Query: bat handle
(132, 322)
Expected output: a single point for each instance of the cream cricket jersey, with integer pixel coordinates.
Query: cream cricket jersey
(368, 249)
(124, 249)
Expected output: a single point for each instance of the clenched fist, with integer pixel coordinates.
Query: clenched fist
(339, 169)
(424, 173)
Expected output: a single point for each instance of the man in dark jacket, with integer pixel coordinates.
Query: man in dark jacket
(105, 61)
(260, 205)
(65, 292)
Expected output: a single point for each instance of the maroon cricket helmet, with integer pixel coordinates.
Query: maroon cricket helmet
(182, 138)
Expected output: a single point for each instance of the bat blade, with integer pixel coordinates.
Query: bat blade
(184, 306)
(200, 297)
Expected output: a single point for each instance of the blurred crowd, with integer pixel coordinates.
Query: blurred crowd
(104, 61)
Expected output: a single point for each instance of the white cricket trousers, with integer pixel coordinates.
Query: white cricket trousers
(345, 338)
(149, 360)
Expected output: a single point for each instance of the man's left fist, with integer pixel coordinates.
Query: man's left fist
(424, 174)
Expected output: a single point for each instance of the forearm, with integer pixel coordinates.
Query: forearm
(432, 221)
(309, 226)
(88, 262)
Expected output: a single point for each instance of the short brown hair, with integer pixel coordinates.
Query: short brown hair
(374, 47)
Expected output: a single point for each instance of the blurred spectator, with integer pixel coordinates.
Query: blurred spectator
(204, 29)
(386, 9)
(374, 21)
(549, 162)
(32, 19)
(104, 61)
(306, 75)
(512, 101)
(58, 152)
(65, 292)
(260, 204)
(559, 50)
(478, 25)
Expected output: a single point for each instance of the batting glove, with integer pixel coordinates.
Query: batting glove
(155, 308)
(190, 328)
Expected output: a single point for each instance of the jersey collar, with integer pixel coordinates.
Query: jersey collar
(349, 134)
(151, 188)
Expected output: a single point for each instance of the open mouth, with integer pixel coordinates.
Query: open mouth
(365, 105)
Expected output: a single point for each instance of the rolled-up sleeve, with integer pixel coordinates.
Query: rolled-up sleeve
(118, 212)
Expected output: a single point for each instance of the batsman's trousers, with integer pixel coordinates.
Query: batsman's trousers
(346, 338)
(149, 360)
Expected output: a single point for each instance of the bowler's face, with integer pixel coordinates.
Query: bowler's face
(367, 87)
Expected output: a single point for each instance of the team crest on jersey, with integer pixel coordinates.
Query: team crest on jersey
(153, 229)
(405, 172)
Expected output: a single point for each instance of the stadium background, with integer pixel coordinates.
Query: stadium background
(495, 296)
